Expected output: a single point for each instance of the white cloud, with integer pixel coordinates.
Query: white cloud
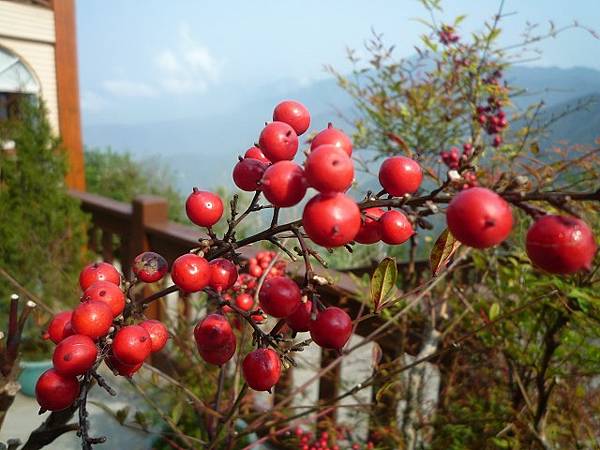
(93, 102)
(189, 67)
(128, 88)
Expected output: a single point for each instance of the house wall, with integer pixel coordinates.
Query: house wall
(29, 32)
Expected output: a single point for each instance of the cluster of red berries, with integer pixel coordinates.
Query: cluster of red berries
(95, 329)
(491, 116)
(307, 441)
(452, 157)
(448, 35)
(330, 218)
(480, 218)
(242, 293)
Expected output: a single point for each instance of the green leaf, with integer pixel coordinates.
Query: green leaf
(383, 281)
(177, 412)
(494, 311)
(534, 147)
(459, 19)
(121, 415)
(140, 419)
(444, 248)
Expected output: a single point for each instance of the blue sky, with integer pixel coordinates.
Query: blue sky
(134, 53)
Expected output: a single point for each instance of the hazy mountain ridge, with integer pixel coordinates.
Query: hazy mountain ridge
(202, 151)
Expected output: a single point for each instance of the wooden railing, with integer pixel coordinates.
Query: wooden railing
(121, 231)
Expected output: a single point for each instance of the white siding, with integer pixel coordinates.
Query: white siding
(19, 20)
(40, 59)
(20, 26)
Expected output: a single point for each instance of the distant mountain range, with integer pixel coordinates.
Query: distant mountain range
(202, 151)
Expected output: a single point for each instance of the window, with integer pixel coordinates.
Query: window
(16, 81)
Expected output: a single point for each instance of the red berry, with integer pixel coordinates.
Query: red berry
(299, 320)
(132, 344)
(125, 370)
(55, 392)
(74, 355)
(255, 270)
(244, 301)
(331, 220)
(247, 174)
(400, 175)
(223, 274)
(150, 267)
(159, 335)
(100, 271)
(332, 328)
(92, 319)
(204, 208)
(103, 291)
(279, 296)
(261, 369)
(497, 142)
(284, 184)
(256, 153)
(60, 326)
(329, 169)
(561, 244)
(278, 141)
(395, 228)
(215, 339)
(479, 218)
(332, 136)
(294, 114)
(370, 230)
(191, 272)
(220, 356)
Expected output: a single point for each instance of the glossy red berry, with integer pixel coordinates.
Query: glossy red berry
(299, 320)
(132, 344)
(370, 229)
(295, 114)
(247, 174)
(92, 319)
(204, 208)
(215, 339)
(331, 328)
(100, 271)
(125, 370)
(220, 356)
(278, 141)
(331, 220)
(261, 369)
(256, 153)
(332, 136)
(497, 141)
(55, 392)
(479, 218)
(329, 169)
(150, 267)
(244, 301)
(561, 244)
(400, 175)
(60, 327)
(395, 228)
(103, 291)
(223, 274)
(159, 335)
(284, 184)
(279, 296)
(74, 355)
(191, 272)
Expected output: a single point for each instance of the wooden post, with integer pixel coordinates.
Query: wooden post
(67, 87)
(146, 209)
